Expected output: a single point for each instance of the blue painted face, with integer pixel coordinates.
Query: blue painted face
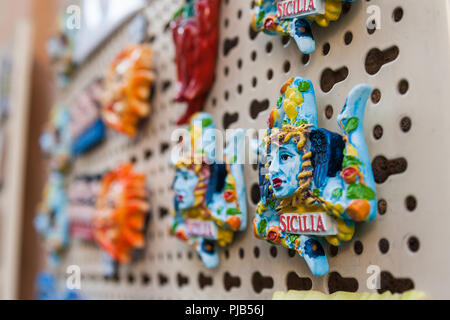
(284, 167)
(185, 183)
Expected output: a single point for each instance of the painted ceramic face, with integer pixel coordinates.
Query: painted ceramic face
(185, 183)
(284, 167)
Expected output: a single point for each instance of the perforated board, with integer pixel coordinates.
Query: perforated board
(407, 123)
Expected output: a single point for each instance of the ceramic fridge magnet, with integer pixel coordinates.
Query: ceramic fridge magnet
(51, 221)
(294, 18)
(56, 140)
(195, 29)
(121, 212)
(60, 50)
(210, 202)
(86, 126)
(315, 184)
(82, 197)
(47, 288)
(128, 87)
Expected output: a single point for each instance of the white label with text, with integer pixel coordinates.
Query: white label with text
(299, 8)
(318, 223)
(201, 228)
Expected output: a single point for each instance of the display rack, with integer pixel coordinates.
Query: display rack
(406, 60)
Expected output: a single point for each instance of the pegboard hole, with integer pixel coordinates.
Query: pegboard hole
(326, 49)
(405, 124)
(338, 283)
(254, 82)
(333, 250)
(260, 282)
(294, 282)
(413, 244)
(376, 96)
(331, 77)
(348, 38)
(256, 252)
(305, 59)
(358, 247)
(273, 252)
(376, 59)
(286, 66)
(241, 253)
(403, 86)
(411, 203)
(378, 132)
(382, 207)
(329, 112)
(397, 14)
(383, 245)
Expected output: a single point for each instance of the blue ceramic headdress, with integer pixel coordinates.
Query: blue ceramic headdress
(210, 203)
(314, 183)
(294, 17)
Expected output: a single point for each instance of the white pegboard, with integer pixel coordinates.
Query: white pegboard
(422, 39)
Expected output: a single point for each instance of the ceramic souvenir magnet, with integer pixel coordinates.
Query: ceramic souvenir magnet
(47, 289)
(56, 140)
(210, 203)
(51, 221)
(60, 50)
(86, 126)
(121, 212)
(294, 18)
(128, 87)
(82, 197)
(195, 29)
(315, 184)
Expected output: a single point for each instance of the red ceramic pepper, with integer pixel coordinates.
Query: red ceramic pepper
(195, 32)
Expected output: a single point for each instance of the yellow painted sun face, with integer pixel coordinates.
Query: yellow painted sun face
(128, 88)
(121, 210)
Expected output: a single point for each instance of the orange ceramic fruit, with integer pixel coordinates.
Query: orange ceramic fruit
(358, 210)
(120, 214)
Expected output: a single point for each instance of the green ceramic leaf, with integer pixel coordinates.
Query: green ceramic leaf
(337, 193)
(262, 227)
(279, 101)
(358, 191)
(352, 124)
(206, 123)
(350, 161)
(304, 86)
(233, 212)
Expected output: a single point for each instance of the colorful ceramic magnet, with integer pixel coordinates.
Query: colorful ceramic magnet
(316, 295)
(87, 127)
(51, 221)
(57, 139)
(128, 89)
(294, 18)
(121, 212)
(314, 183)
(195, 29)
(210, 203)
(82, 197)
(60, 50)
(47, 289)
